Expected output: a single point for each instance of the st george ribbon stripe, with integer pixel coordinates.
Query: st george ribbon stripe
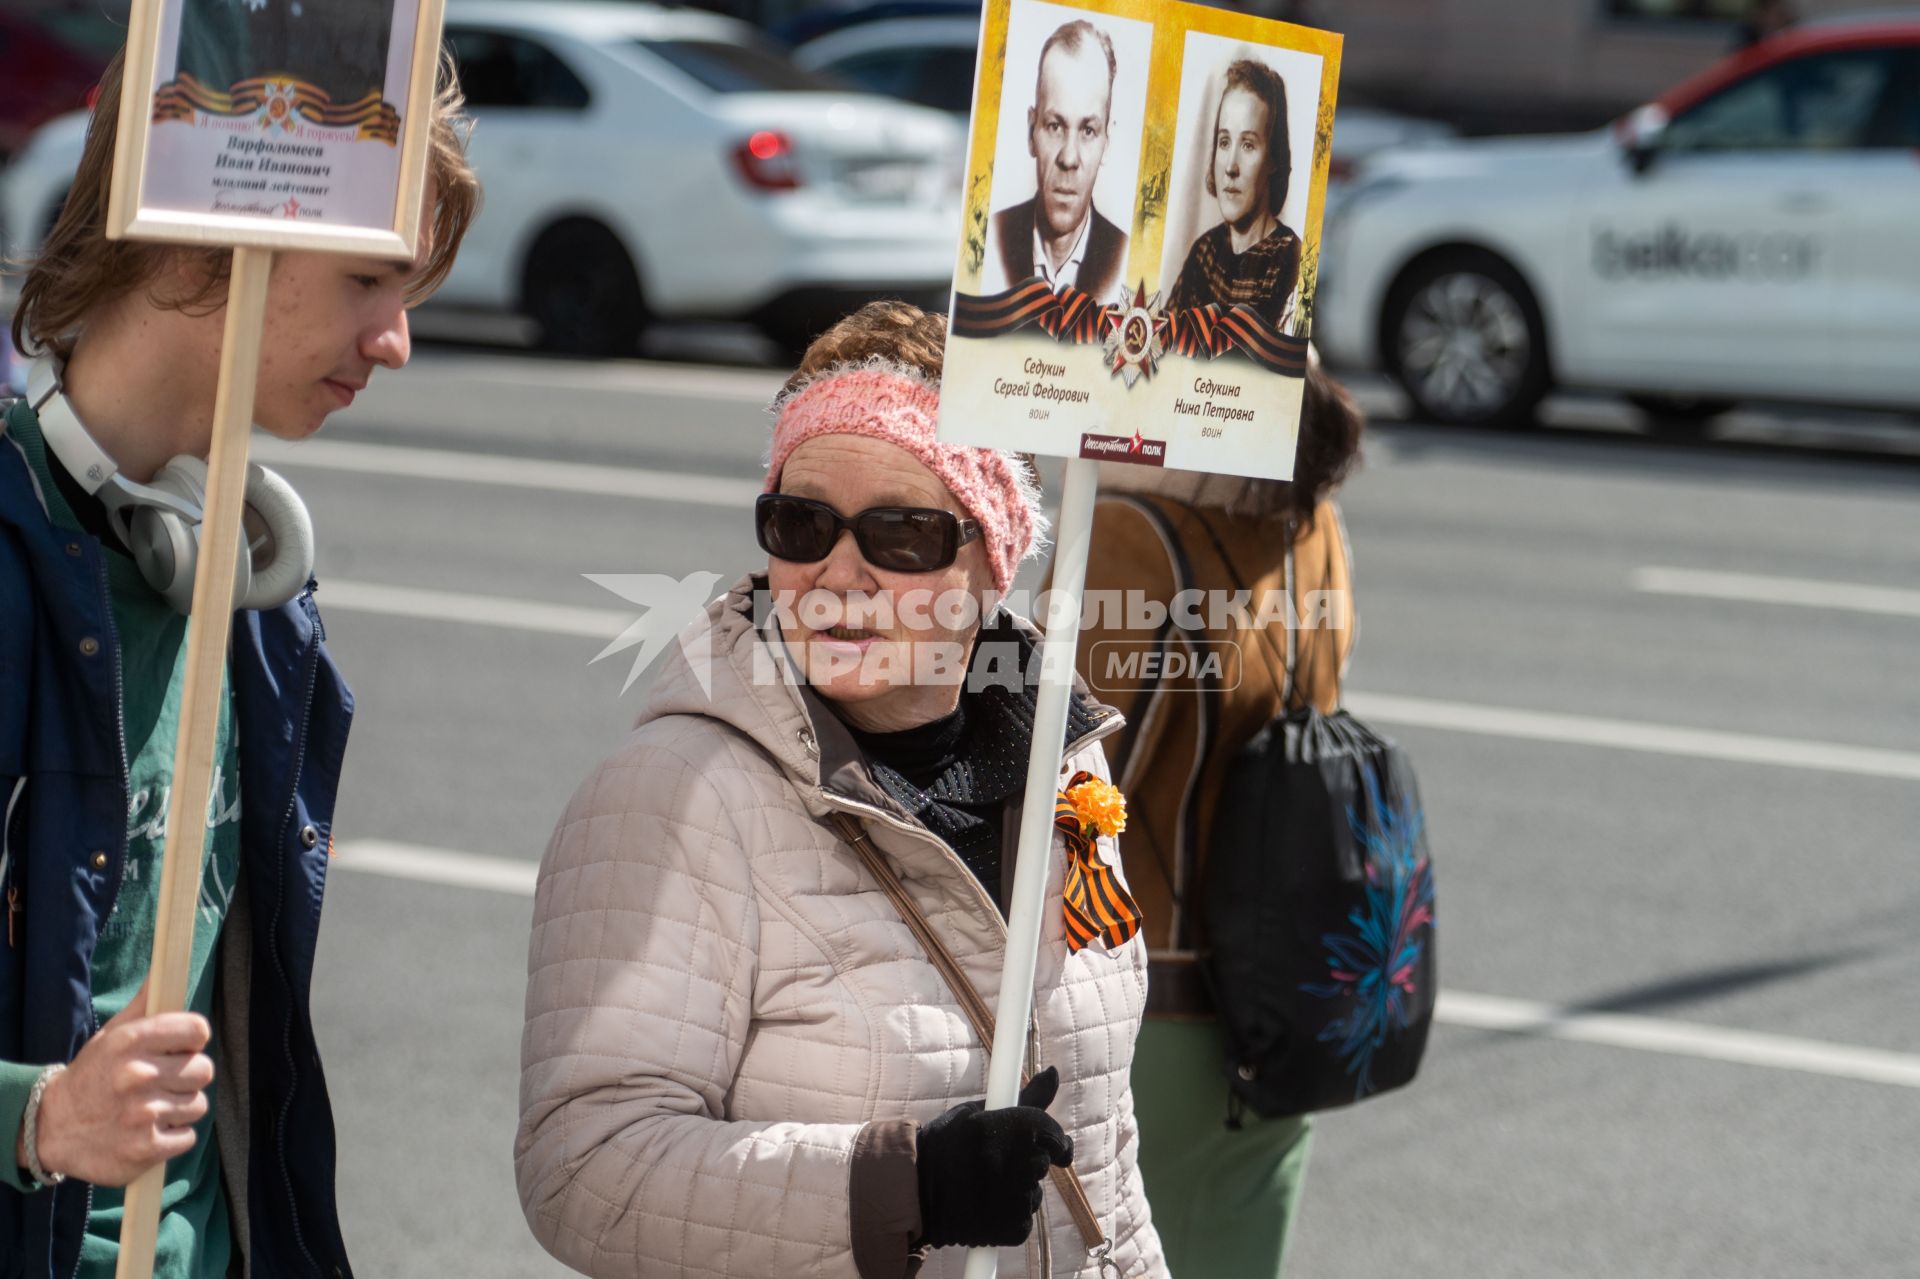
(1212, 332)
(371, 116)
(1075, 317)
(1069, 315)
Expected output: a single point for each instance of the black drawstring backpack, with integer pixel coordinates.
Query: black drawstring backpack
(1318, 905)
(1319, 910)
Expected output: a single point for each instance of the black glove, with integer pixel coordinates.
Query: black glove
(980, 1170)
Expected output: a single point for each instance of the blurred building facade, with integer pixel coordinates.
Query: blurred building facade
(1532, 65)
(1485, 65)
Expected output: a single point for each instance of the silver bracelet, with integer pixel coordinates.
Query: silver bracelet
(30, 1131)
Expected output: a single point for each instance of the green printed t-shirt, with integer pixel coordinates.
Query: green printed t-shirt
(195, 1240)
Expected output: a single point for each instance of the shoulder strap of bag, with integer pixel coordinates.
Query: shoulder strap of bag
(1064, 1179)
(1290, 661)
(1182, 567)
(1340, 545)
(1328, 644)
(1207, 694)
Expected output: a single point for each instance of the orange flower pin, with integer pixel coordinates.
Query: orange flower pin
(1101, 807)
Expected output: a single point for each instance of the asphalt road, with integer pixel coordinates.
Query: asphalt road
(1665, 703)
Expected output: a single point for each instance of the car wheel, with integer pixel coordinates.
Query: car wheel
(1679, 417)
(793, 327)
(1464, 337)
(582, 290)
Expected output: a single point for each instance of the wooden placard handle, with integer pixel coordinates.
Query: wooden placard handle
(207, 633)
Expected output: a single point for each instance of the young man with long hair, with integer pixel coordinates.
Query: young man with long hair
(125, 339)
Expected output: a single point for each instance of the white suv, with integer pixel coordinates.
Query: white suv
(1753, 235)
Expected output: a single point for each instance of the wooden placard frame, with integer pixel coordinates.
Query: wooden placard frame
(128, 219)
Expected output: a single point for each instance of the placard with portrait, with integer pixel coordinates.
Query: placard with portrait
(1139, 257)
(277, 123)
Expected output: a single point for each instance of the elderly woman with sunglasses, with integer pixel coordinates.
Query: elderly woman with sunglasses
(740, 1057)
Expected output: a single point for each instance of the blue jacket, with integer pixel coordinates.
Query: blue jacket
(63, 788)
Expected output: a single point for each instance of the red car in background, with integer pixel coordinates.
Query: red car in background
(51, 56)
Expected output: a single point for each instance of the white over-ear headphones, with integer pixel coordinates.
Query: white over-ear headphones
(160, 521)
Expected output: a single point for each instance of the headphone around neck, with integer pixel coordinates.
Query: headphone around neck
(160, 521)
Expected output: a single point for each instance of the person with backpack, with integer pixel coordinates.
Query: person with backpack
(102, 464)
(1224, 1183)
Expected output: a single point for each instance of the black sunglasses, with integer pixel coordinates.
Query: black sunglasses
(901, 539)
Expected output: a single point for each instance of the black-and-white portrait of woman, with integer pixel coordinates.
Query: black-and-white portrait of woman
(338, 46)
(1241, 249)
(1249, 256)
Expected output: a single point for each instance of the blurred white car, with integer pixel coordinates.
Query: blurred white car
(1755, 234)
(643, 163)
(34, 185)
(930, 59)
(1362, 131)
(652, 162)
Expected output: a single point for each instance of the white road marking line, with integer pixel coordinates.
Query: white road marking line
(1455, 1008)
(437, 866)
(1796, 592)
(1678, 1038)
(1414, 712)
(509, 472)
(745, 386)
(478, 610)
(1620, 734)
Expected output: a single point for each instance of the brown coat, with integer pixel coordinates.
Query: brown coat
(1156, 754)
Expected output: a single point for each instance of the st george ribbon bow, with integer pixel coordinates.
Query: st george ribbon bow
(1097, 905)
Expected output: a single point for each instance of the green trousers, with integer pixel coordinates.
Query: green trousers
(1223, 1200)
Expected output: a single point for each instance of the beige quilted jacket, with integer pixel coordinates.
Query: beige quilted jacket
(730, 1033)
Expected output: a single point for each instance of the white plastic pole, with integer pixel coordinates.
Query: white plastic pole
(1074, 536)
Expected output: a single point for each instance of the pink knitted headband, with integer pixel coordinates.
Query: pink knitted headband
(895, 404)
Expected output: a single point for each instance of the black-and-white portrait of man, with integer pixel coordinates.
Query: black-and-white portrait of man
(338, 46)
(1059, 235)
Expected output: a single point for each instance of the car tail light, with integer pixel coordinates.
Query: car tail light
(765, 160)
